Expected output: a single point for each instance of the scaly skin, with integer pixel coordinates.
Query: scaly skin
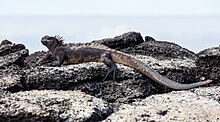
(74, 54)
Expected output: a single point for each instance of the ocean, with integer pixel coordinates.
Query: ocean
(192, 32)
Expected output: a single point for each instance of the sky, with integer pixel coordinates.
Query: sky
(110, 7)
(193, 24)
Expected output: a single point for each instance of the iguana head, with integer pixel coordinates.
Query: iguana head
(51, 42)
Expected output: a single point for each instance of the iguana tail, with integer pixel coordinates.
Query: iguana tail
(127, 60)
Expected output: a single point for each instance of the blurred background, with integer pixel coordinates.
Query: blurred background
(191, 24)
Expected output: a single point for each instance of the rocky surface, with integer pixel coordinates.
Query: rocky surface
(46, 105)
(178, 106)
(23, 84)
(88, 78)
(161, 50)
(125, 40)
(12, 55)
(133, 43)
(208, 64)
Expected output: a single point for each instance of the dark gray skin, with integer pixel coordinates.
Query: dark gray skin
(65, 54)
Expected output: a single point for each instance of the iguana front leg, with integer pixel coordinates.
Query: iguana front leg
(111, 65)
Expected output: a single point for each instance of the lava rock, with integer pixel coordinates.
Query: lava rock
(149, 38)
(32, 59)
(133, 43)
(214, 51)
(4, 42)
(87, 77)
(12, 55)
(160, 50)
(47, 105)
(125, 40)
(15, 59)
(10, 80)
(12, 58)
(10, 48)
(19, 73)
(208, 64)
(177, 106)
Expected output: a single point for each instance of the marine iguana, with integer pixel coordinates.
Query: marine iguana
(74, 54)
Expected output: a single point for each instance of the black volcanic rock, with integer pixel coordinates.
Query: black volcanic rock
(12, 58)
(208, 64)
(43, 93)
(149, 38)
(198, 105)
(52, 106)
(32, 59)
(10, 48)
(4, 42)
(125, 40)
(12, 54)
(133, 43)
(160, 50)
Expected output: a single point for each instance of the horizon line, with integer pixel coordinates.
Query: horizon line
(108, 15)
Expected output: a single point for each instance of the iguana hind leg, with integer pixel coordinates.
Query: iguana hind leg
(111, 65)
